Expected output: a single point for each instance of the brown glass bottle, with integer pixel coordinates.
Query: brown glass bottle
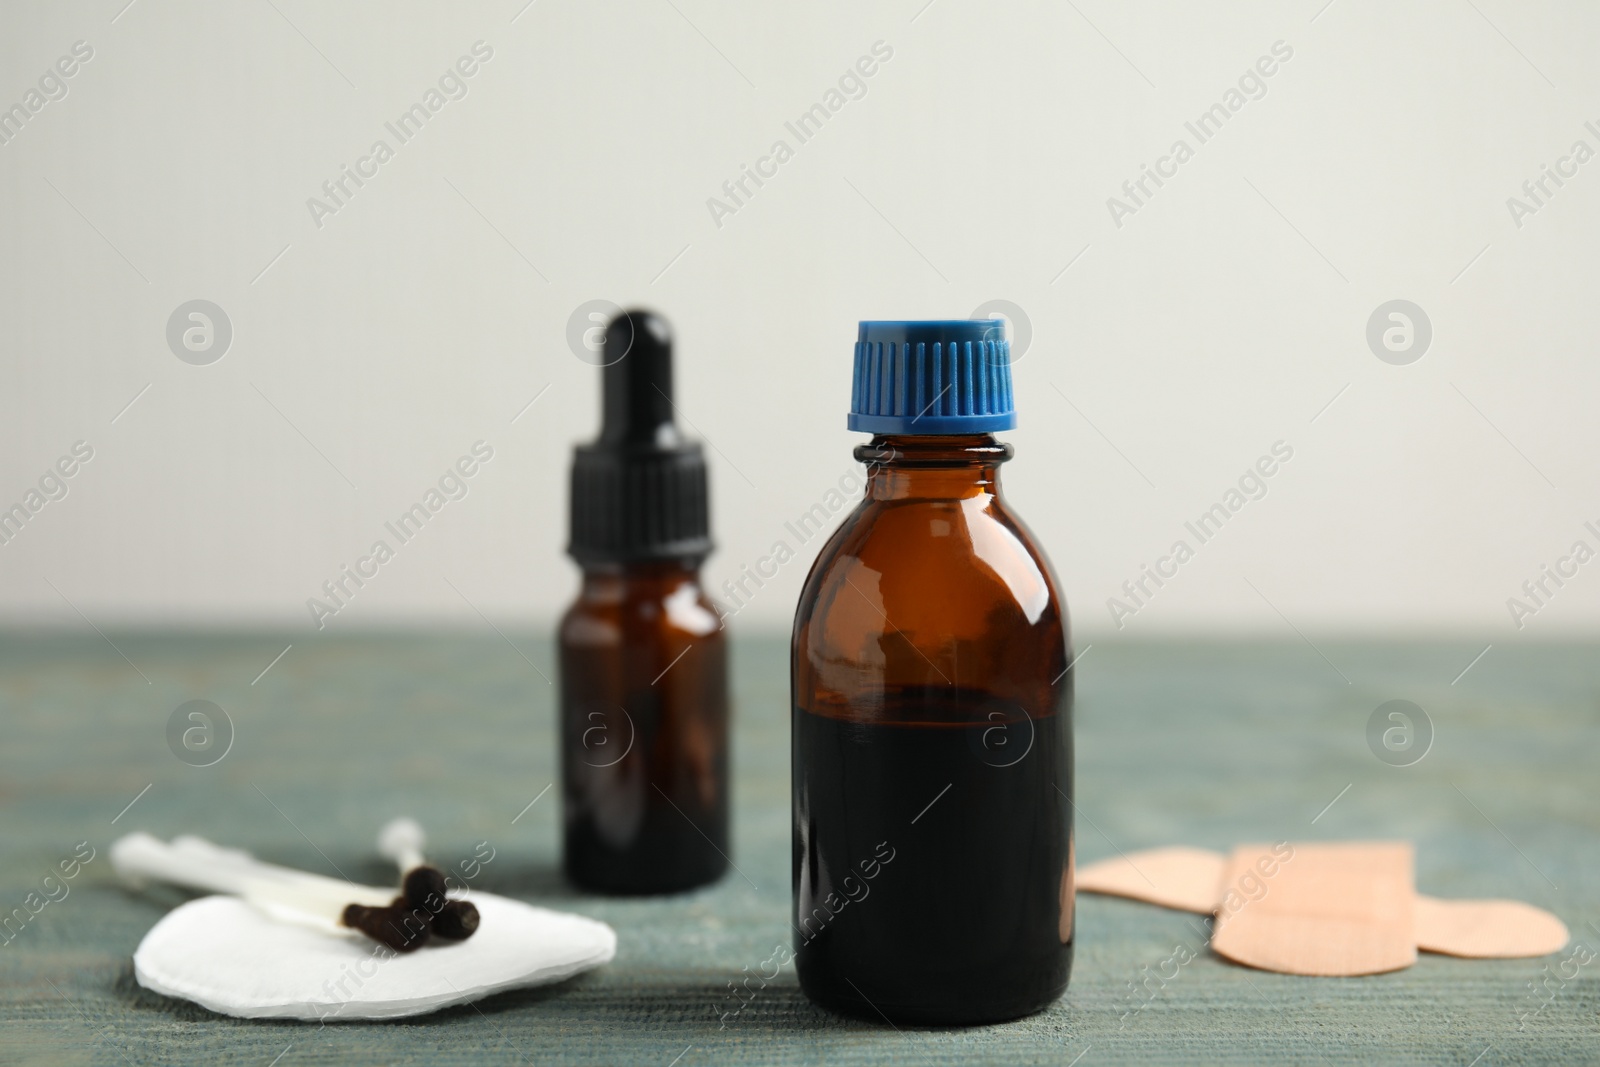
(644, 726)
(932, 759)
(644, 700)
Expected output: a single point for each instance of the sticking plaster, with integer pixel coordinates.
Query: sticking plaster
(1191, 879)
(1487, 929)
(1327, 909)
(1178, 877)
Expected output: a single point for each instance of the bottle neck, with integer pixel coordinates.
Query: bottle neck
(901, 466)
(654, 580)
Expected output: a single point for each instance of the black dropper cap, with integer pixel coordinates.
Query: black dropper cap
(639, 491)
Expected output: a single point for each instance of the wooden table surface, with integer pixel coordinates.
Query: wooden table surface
(1206, 744)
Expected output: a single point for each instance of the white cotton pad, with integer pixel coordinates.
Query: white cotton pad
(226, 955)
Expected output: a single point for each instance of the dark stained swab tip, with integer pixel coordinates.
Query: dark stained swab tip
(424, 887)
(456, 921)
(421, 912)
(406, 928)
(400, 928)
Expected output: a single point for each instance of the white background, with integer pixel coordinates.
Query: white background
(1223, 316)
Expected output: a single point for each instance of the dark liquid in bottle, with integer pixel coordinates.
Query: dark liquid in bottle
(644, 773)
(932, 859)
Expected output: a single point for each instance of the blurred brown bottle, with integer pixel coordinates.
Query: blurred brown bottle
(644, 701)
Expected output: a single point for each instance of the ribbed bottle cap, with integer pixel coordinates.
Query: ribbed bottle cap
(950, 376)
(639, 491)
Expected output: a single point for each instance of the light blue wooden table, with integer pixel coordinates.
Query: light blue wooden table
(1204, 744)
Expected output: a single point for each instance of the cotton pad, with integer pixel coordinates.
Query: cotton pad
(227, 955)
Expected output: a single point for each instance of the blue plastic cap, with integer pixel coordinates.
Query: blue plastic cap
(944, 376)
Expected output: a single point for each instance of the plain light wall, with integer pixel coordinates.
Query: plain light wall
(1174, 340)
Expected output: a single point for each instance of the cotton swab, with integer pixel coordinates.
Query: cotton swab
(423, 884)
(403, 923)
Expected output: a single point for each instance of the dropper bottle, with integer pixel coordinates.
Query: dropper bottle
(644, 705)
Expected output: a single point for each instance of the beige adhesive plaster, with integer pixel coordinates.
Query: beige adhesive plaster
(1177, 877)
(1322, 909)
(1495, 929)
(1191, 879)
